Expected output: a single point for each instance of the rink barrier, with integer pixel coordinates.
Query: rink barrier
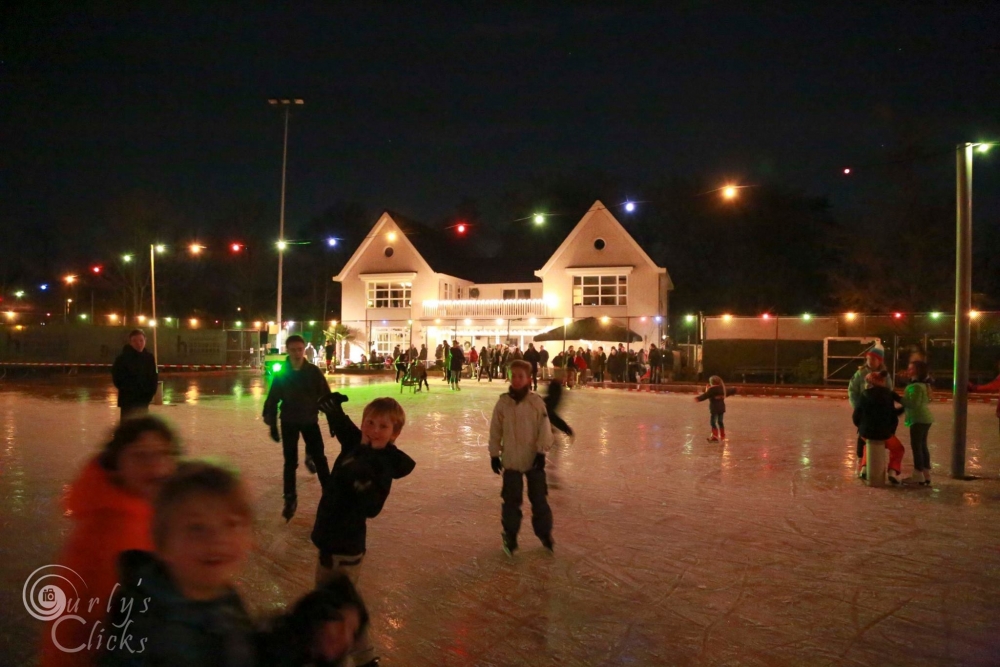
(190, 367)
(756, 393)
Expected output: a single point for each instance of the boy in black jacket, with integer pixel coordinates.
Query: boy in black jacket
(877, 417)
(358, 487)
(298, 388)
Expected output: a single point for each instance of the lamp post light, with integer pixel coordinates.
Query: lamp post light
(287, 104)
(963, 301)
(153, 249)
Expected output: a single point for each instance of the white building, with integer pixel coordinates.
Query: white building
(393, 294)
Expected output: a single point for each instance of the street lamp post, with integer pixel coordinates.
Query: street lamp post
(152, 282)
(287, 104)
(963, 301)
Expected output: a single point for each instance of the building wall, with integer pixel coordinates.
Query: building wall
(495, 290)
(646, 285)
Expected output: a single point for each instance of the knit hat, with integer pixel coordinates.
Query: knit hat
(878, 351)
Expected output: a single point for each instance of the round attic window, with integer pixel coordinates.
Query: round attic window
(599, 244)
(388, 251)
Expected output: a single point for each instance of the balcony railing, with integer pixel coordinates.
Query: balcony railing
(488, 308)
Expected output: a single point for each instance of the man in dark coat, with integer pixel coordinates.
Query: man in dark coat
(532, 356)
(455, 363)
(543, 361)
(297, 390)
(655, 365)
(134, 374)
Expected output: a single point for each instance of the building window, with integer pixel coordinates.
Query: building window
(458, 292)
(388, 252)
(524, 294)
(387, 338)
(599, 244)
(600, 290)
(388, 295)
(509, 294)
(446, 293)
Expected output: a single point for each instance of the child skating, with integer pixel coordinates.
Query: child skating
(715, 394)
(520, 435)
(916, 403)
(552, 400)
(359, 485)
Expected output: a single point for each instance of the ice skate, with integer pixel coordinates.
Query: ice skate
(894, 478)
(714, 437)
(310, 465)
(509, 544)
(722, 434)
(548, 543)
(291, 504)
(925, 478)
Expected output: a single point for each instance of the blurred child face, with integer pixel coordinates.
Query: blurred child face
(911, 370)
(378, 430)
(519, 379)
(336, 638)
(145, 464)
(874, 362)
(206, 545)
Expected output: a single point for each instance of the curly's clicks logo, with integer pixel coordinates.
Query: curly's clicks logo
(45, 591)
(52, 593)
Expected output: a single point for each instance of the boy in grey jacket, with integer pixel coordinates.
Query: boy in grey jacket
(520, 434)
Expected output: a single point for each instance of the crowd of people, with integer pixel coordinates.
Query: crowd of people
(167, 538)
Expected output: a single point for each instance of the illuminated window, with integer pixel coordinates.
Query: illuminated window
(388, 295)
(600, 290)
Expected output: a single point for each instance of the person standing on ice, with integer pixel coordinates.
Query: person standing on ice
(874, 362)
(715, 394)
(532, 356)
(520, 435)
(297, 388)
(455, 362)
(135, 376)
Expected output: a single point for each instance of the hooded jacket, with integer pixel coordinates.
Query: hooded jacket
(359, 485)
(106, 521)
(519, 431)
(876, 415)
(134, 374)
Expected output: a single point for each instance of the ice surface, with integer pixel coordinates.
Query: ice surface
(669, 550)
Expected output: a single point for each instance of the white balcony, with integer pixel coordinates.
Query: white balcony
(487, 308)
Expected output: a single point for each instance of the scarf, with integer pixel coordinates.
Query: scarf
(519, 394)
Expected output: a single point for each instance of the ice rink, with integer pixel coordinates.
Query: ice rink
(764, 550)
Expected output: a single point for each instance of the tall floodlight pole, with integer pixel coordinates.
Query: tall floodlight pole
(287, 104)
(963, 304)
(152, 281)
(963, 301)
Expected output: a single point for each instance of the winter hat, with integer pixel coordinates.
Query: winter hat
(878, 351)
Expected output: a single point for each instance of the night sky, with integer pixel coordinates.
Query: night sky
(413, 108)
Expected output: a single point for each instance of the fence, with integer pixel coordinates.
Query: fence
(811, 349)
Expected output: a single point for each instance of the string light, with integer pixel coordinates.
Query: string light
(850, 316)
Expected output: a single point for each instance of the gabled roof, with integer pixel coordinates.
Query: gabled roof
(584, 221)
(435, 248)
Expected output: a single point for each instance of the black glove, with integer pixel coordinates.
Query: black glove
(539, 462)
(496, 465)
(331, 402)
(275, 435)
